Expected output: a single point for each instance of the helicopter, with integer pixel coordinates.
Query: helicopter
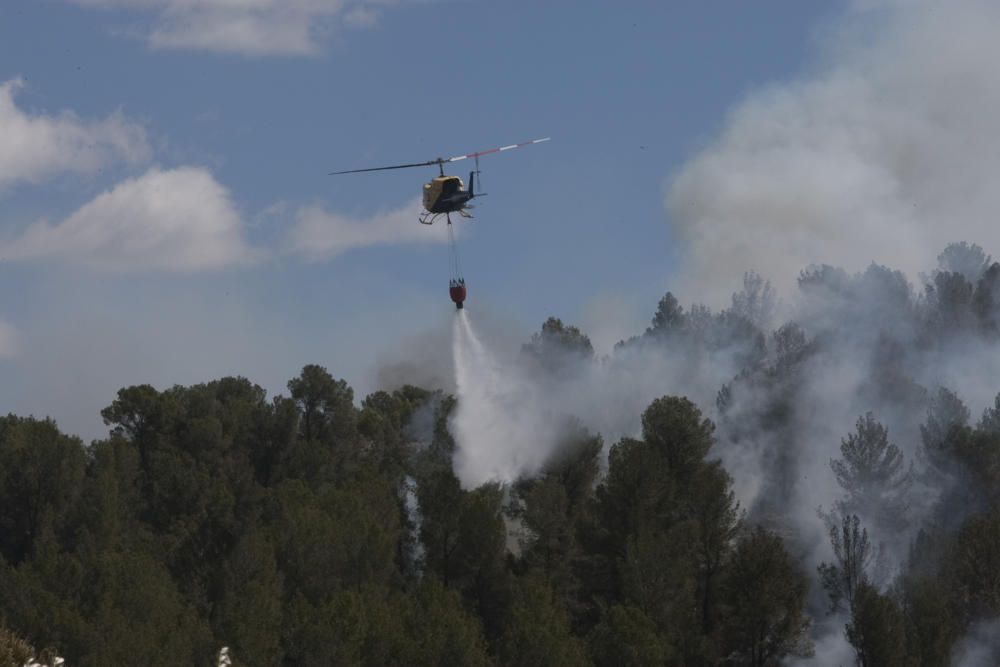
(445, 195)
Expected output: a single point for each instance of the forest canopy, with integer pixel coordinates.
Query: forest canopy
(316, 529)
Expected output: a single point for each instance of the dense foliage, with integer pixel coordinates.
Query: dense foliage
(310, 530)
(212, 517)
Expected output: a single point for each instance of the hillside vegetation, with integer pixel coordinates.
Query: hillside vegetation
(309, 529)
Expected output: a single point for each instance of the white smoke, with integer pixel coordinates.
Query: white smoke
(885, 152)
(510, 420)
(416, 519)
(831, 647)
(979, 648)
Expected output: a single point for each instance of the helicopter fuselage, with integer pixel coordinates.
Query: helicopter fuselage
(447, 194)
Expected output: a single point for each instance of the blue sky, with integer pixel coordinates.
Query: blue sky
(177, 147)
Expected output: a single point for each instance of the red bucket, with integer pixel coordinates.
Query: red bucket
(457, 292)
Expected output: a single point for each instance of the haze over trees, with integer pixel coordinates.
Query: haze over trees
(316, 529)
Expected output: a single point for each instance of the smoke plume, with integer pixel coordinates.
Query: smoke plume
(844, 186)
(881, 152)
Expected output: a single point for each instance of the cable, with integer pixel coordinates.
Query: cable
(455, 263)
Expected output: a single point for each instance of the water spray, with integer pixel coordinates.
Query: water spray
(498, 428)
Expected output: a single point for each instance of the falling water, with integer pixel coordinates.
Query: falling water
(496, 435)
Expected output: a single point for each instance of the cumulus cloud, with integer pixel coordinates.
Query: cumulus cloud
(175, 220)
(318, 234)
(883, 153)
(248, 27)
(35, 147)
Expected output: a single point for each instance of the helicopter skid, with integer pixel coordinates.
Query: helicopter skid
(428, 218)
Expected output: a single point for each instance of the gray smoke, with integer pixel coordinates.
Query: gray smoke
(882, 152)
(980, 648)
(844, 186)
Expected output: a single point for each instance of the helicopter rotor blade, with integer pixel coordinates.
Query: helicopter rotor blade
(439, 160)
(395, 166)
(497, 150)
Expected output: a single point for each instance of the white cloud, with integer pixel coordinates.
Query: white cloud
(360, 17)
(886, 153)
(34, 147)
(318, 234)
(249, 27)
(8, 341)
(175, 220)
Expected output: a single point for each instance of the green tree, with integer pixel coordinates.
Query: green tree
(945, 427)
(876, 630)
(975, 565)
(137, 616)
(990, 421)
(659, 574)
(326, 404)
(41, 598)
(669, 317)
(111, 496)
(716, 513)
(559, 348)
(551, 506)
(674, 427)
(931, 628)
(424, 626)
(196, 486)
(340, 538)
(248, 614)
(464, 538)
(949, 299)
(576, 465)
(41, 481)
(853, 551)
(969, 260)
(441, 631)
(482, 576)
(550, 543)
(960, 461)
(662, 527)
(383, 423)
(755, 302)
(627, 637)
(327, 632)
(764, 594)
(135, 412)
(872, 475)
(987, 299)
(440, 499)
(538, 631)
